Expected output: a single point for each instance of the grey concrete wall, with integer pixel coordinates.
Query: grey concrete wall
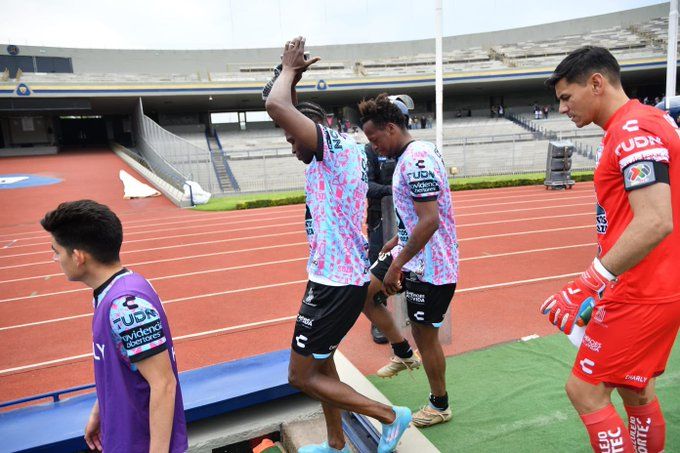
(28, 130)
(202, 61)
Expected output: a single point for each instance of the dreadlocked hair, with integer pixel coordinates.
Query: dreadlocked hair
(312, 111)
(381, 111)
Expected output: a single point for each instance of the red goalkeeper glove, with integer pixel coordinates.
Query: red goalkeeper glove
(563, 307)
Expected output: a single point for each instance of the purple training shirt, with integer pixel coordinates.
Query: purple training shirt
(130, 325)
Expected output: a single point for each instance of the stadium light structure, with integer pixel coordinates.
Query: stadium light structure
(672, 58)
(439, 76)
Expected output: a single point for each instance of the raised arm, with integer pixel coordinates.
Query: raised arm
(281, 102)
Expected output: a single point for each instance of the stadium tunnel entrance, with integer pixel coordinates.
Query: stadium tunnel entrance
(33, 133)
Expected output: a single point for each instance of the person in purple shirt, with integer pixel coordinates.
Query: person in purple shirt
(336, 186)
(139, 401)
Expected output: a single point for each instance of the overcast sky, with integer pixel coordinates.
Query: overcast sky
(224, 24)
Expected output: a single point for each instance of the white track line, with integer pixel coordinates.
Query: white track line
(187, 218)
(166, 277)
(481, 257)
(183, 258)
(190, 244)
(175, 236)
(166, 260)
(203, 224)
(198, 216)
(241, 326)
(47, 251)
(491, 236)
(293, 223)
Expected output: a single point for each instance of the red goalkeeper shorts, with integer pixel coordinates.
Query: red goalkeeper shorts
(626, 345)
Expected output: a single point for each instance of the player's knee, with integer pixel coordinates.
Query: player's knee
(295, 379)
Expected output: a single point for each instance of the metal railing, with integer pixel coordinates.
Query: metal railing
(170, 156)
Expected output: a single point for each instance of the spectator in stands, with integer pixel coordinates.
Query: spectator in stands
(429, 121)
(501, 111)
(139, 401)
(546, 110)
(423, 122)
(492, 111)
(646, 100)
(348, 125)
(537, 112)
(337, 266)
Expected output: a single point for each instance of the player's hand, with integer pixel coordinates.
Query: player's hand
(294, 56)
(566, 308)
(93, 432)
(389, 245)
(392, 280)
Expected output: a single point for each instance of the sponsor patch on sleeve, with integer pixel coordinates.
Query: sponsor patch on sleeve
(422, 179)
(644, 173)
(138, 327)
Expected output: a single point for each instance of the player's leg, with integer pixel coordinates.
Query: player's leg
(378, 314)
(605, 427)
(375, 244)
(326, 315)
(305, 373)
(646, 422)
(656, 329)
(333, 415)
(427, 305)
(404, 357)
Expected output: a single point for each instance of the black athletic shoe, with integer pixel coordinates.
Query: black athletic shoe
(378, 336)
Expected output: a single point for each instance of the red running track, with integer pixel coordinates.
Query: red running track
(232, 281)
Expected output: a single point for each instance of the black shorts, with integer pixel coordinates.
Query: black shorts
(426, 303)
(326, 315)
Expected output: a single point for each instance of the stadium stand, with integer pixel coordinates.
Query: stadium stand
(193, 133)
(218, 160)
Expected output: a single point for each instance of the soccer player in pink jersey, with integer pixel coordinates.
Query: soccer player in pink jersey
(422, 259)
(336, 186)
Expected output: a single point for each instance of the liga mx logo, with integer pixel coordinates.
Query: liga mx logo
(23, 90)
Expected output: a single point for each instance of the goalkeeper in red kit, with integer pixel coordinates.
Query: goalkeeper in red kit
(635, 278)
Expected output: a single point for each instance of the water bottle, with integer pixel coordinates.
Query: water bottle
(582, 318)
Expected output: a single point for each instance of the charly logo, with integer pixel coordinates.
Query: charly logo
(23, 90)
(586, 365)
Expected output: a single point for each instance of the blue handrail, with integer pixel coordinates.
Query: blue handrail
(54, 395)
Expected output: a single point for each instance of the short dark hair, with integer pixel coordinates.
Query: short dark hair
(86, 225)
(312, 110)
(584, 62)
(381, 110)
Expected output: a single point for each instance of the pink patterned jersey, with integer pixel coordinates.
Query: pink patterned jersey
(336, 186)
(420, 175)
